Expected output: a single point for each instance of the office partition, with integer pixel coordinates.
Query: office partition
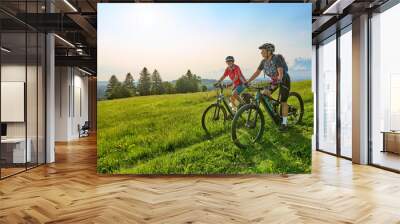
(334, 94)
(385, 89)
(15, 152)
(22, 77)
(327, 96)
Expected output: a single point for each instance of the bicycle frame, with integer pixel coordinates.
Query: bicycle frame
(221, 98)
(266, 102)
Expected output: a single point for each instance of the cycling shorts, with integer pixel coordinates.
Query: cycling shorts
(238, 89)
(284, 88)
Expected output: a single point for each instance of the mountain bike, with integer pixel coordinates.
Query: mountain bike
(215, 117)
(248, 122)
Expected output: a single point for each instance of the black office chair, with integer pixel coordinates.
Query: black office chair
(84, 130)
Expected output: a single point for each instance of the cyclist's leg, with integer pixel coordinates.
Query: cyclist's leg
(235, 98)
(283, 96)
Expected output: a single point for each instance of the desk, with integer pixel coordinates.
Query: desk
(391, 141)
(13, 150)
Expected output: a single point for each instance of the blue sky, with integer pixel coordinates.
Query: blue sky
(173, 38)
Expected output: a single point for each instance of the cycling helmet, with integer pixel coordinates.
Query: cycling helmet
(229, 58)
(268, 46)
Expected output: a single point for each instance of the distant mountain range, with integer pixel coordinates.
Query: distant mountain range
(300, 70)
(101, 89)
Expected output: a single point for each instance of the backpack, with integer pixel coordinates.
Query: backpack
(280, 58)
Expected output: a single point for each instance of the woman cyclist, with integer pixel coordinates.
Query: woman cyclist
(238, 81)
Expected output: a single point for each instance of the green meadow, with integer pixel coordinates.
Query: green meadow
(163, 135)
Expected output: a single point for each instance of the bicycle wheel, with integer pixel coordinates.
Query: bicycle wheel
(296, 108)
(213, 119)
(247, 126)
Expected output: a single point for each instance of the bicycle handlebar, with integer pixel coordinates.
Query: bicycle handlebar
(256, 87)
(220, 85)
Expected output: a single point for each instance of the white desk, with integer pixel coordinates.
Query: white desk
(19, 155)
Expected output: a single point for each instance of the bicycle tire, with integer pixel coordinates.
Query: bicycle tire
(203, 117)
(297, 95)
(238, 114)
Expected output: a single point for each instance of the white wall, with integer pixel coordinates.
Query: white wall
(62, 82)
(80, 110)
(71, 102)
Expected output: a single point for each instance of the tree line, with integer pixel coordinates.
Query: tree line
(152, 84)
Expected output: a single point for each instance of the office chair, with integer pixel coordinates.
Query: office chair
(84, 130)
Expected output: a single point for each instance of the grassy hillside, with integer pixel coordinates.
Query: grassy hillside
(163, 135)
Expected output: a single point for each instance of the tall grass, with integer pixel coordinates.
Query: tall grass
(163, 135)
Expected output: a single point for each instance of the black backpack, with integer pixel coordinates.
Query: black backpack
(281, 58)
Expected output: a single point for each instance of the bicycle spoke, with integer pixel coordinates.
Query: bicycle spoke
(216, 113)
(214, 121)
(294, 110)
(248, 127)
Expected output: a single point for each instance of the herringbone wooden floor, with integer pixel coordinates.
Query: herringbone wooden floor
(70, 191)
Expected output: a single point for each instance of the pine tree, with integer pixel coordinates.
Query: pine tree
(156, 83)
(121, 92)
(129, 84)
(168, 87)
(112, 86)
(188, 83)
(144, 82)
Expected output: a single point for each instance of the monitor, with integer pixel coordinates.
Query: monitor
(3, 129)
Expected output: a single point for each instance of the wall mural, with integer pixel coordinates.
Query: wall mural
(204, 88)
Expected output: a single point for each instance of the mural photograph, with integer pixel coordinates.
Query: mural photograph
(204, 88)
